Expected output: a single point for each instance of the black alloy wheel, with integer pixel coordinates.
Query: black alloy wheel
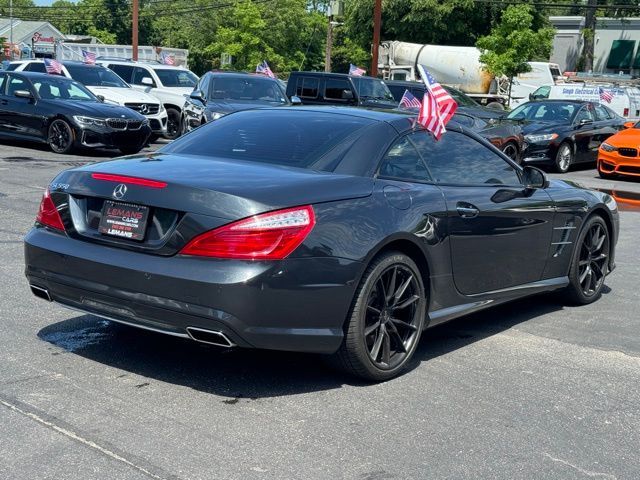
(564, 158)
(386, 321)
(511, 151)
(60, 137)
(174, 127)
(590, 262)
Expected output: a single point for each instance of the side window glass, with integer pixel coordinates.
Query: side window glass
(336, 89)
(461, 160)
(139, 74)
(2, 82)
(602, 113)
(402, 161)
(585, 113)
(123, 71)
(204, 86)
(307, 87)
(16, 83)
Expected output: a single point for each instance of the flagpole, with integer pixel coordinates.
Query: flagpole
(11, 34)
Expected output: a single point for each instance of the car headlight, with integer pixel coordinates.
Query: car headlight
(607, 147)
(85, 121)
(216, 115)
(541, 138)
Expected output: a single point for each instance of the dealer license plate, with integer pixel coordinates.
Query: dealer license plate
(123, 220)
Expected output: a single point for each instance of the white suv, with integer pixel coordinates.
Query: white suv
(104, 83)
(170, 84)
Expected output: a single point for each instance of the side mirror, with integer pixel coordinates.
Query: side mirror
(531, 97)
(629, 124)
(533, 178)
(347, 95)
(23, 94)
(197, 95)
(295, 100)
(585, 121)
(100, 97)
(147, 81)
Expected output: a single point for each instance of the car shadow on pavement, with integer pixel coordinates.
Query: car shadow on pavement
(254, 374)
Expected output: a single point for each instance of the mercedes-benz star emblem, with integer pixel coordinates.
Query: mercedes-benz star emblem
(119, 191)
(144, 109)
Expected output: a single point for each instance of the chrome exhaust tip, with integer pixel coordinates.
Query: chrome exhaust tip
(211, 337)
(41, 292)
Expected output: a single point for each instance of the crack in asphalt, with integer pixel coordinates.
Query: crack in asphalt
(588, 473)
(58, 426)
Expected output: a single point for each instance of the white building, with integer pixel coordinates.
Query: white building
(616, 44)
(30, 35)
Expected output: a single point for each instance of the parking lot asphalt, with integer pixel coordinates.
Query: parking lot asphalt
(532, 389)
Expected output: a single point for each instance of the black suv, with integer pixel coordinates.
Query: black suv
(321, 88)
(220, 93)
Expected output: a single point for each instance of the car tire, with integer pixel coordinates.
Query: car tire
(153, 138)
(510, 149)
(564, 157)
(590, 262)
(174, 124)
(60, 136)
(383, 328)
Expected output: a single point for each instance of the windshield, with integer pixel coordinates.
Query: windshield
(372, 89)
(95, 76)
(247, 89)
(51, 88)
(281, 136)
(545, 112)
(173, 77)
(461, 98)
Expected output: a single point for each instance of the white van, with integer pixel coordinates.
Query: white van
(541, 73)
(623, 100)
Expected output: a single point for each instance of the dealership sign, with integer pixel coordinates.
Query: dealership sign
(37, 37)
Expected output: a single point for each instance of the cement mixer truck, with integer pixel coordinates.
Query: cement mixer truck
(460, 67)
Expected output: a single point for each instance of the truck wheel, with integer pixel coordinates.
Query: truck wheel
(495, 105)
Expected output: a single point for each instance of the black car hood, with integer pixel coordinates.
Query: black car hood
(229, 106)
(95, 109)
(529, 128)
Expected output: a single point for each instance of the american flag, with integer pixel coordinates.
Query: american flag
(356, 71)
(437, 105)
(408, 100)
(88, 57)
(606, 95)
(264, 69)
(167, 59)
(52, 66)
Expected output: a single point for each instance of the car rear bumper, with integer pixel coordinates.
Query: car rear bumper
(294, 304)
(613, 163)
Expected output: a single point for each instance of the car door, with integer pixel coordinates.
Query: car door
(606, 123)
(21, 116)
(499, 231)
(586, 134)
(4, 104)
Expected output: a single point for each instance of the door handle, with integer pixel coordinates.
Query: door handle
(467, 210)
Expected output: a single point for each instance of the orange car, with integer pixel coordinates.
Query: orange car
(618, 154)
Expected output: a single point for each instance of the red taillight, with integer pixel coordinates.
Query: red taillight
(48, 213)
(269, 236)
(625, 112)
(144, 182)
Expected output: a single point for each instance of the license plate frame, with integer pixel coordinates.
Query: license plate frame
(123, 220)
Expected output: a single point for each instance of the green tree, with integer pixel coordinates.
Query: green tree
(512, 43)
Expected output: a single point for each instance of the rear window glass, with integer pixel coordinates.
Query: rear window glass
(291, 138)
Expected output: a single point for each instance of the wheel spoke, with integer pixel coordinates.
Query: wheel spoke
(391, 286)
(412, 299)
(597, 270)
(373, 309)
(584, 274)
(386, 348)
(599, 258)
(375, 350)
(384, 290)
(582, 263)
(369, 330)
(393, 331)
(587, 281)
(404, 324)
(403, 288)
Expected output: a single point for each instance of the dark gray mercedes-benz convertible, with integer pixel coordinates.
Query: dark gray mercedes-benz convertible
(329, 230)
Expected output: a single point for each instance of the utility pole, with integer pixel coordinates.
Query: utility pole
(327, 52)
(589, 34)
(134, 31)
(11, 32)
(377, 19)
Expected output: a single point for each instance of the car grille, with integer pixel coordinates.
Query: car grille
(628, 152)
(124, 124)
(629, 169)
(144, 108)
